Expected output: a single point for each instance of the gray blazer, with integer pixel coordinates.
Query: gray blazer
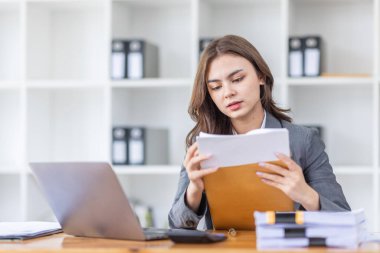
(307, 150)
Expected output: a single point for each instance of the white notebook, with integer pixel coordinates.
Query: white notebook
(27, 230)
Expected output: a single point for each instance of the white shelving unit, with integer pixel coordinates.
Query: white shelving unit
(66, 124)
(57, 102)
(10, 19)
(65, 40)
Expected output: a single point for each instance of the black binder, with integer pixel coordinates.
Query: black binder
(296, 57)
(119, 59)
(134, 59)
(312, 56)
(133, 145)
(136, 144)
(120, 145)
(142, 58)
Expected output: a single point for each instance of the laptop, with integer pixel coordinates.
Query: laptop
(88, 200)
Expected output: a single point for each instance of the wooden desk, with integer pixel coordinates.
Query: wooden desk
(242, 242)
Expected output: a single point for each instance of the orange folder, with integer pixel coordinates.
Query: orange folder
(234, 193)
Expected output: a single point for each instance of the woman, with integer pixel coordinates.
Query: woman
(232, 94)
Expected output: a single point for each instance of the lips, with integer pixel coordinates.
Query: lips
(234, 106)
(233, 103)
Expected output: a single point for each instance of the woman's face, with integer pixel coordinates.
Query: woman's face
(234, 87)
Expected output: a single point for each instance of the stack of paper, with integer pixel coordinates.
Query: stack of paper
(304, 229)
(27, 230)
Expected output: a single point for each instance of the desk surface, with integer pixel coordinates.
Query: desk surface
(242, 242)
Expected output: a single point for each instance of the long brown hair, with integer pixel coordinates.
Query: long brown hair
(202, 109)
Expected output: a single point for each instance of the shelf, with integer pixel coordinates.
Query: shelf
(67, 125)
(66, 40)
(62, 84)
(10, 85)
(10, 197)
(149, 3)
(147, 170)
(153, 83)
(359, 190)
(326, 81)
(345, 27)
(260, 22)
(10, 127)
(10, 44)
(9, 169)
(353, 170)
(331, 107)
(37, 204)
(159, 108)
(166, 26)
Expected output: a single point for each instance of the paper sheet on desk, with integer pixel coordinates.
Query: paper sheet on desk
(27, 230)
(231, 150)
(372, 237)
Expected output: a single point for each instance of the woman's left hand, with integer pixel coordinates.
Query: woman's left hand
(291, 181)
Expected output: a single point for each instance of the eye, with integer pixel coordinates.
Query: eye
(216, 87)
(237, 80)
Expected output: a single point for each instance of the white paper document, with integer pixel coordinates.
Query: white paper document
(294, 230)
(351, 242)
(27, 230)
(346, 218)
(232, 150)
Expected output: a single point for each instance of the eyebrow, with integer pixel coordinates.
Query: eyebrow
(229, 76)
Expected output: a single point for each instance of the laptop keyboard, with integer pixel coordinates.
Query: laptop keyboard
(155, 233)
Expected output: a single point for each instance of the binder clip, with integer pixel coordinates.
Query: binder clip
(232, 232)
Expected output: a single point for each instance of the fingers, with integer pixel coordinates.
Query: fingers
(291, 181)
(272, 183)
(191, 152)
(271, 177)
(278, 169)
(198, 174)
(288, 161)
(194, 163)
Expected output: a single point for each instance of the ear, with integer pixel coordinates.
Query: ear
(261, 80)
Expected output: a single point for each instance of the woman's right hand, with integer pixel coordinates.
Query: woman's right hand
(195, 175)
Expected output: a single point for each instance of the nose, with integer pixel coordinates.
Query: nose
(229, 91)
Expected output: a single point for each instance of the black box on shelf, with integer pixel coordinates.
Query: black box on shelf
(296, 57)
(133, 59)
(304, 56)
(118, 59)
(312, 56)
(139, 146)
(120, 145)
(203, 43)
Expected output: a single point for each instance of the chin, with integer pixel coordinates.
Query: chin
(236, 115)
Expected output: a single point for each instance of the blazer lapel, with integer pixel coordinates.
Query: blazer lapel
(271, 121)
